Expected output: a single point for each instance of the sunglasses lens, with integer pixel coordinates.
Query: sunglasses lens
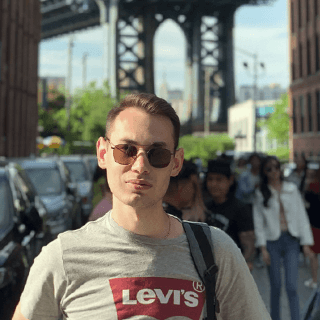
(159, 158)
(123, 153)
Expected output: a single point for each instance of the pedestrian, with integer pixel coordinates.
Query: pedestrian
(226, 211)
(249, 180)
(105, 204)
(135, 261)
(183, 198)
(281, 225)
(299, 174)
(247, 183)
(312, 197)
(241, 167)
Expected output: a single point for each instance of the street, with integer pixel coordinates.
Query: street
(262, 280)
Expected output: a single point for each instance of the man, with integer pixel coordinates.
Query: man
(225, 211)
(249, 180)
(135, 260)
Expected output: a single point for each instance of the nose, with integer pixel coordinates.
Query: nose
(141, 163)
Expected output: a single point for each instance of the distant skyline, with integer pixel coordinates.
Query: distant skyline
(258, 29)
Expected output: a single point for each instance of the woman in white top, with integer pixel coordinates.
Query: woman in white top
(281, 225)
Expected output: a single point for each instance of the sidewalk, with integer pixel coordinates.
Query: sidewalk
(262, 280)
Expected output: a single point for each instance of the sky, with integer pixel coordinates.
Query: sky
(261, 30)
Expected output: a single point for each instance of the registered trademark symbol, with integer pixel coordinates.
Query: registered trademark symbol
(198, 286)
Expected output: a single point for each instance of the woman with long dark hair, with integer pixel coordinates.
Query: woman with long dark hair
(281, 226)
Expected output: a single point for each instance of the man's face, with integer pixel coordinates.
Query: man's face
(142, 130)
(255, 162)
(218, 184)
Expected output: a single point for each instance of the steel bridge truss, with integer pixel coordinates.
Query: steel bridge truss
(131, 24)
(209, 49)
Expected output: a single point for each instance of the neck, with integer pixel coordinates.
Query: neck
(173, 201)
(149, 221)
(220, 199)
(275, 183)
(255, 171)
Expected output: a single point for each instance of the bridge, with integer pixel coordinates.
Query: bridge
(130, 26)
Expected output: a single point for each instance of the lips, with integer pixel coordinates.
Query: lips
(140, 183)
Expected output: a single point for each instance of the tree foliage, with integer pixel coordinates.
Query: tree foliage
(282, 153)
(205, 148)
(278, 122)
(88, 113)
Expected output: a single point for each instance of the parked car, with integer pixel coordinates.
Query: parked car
(81, 174)
(53, 183)
(92, 162)
(22, 233)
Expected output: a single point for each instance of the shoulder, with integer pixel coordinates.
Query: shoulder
(244, 175)
(85, 236)
(224, 247)
(289, 186)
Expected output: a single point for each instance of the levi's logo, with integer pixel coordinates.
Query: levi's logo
(160, 298)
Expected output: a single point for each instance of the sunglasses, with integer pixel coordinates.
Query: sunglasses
(126, 154)
(269, 169)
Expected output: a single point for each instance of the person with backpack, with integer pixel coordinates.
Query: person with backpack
(137, 261)
(281, 226)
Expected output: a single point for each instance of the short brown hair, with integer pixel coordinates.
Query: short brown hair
(151, 104)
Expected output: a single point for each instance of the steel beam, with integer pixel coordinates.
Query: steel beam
(131, 24)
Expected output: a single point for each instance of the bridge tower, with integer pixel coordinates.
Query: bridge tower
(206, 24)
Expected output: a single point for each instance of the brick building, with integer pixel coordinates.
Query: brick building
(304, 93)
(20, 26)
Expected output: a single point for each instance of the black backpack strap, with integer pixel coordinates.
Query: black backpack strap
(201, 249)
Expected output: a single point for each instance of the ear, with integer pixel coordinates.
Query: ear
(178, 162)
(101, 147)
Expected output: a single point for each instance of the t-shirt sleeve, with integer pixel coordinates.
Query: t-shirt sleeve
(244, 218)
(45, 285)
(236, 290)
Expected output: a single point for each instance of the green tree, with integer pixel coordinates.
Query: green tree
(278, 122)
(88, 113)
(277, 125)
(205, 148)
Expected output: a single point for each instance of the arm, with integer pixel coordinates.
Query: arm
(236, 289)
(258, 221)
(45, 286)
(306, 237)
(17, 314)
(247, 239)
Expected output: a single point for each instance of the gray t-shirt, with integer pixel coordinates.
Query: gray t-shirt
(103, 271)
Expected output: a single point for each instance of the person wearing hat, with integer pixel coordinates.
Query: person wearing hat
(227, 212)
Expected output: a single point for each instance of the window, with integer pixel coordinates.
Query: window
(0, 57)
(318, 110)
(316, 47)
(309, 57)
(302, 113)
(293, 65)
(310, 112)
(300, 61)
(299, 14)
(294, 119)
(292, 16)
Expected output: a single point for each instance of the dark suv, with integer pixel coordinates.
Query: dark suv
(22, 233)
(52, 180)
